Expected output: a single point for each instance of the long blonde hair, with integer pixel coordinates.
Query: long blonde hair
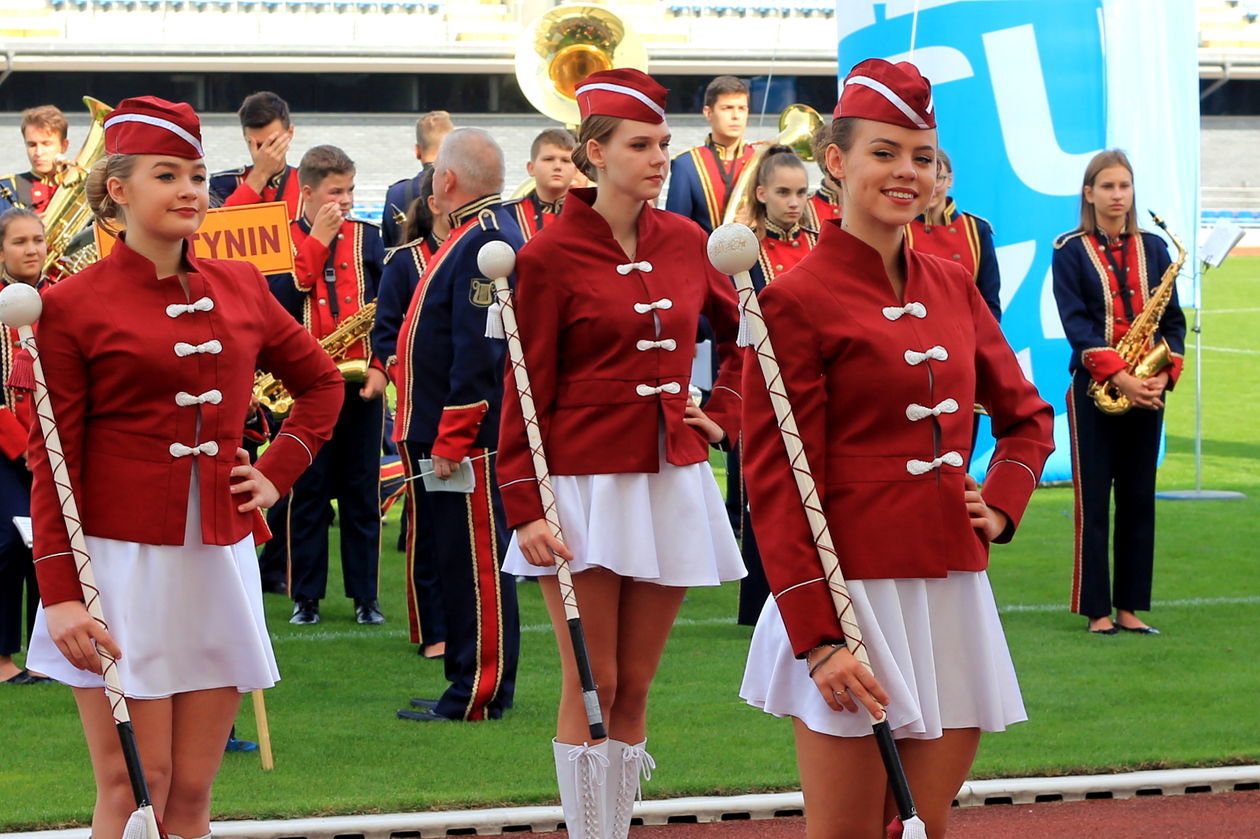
(1105, 160)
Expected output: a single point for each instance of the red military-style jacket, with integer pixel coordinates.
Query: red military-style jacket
(603, 375)
(15, 407)
(230, 189)
(781, 251)
(882, 390)
(533, 214)
(356, 259)
(824, 205)
(144, 380)
(968, 240)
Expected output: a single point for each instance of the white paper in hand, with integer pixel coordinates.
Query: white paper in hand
(463, 480)
(23, 525)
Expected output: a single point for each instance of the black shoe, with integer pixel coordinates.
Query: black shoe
(305, 612)
(275, 587)
(426, 704)
(1140, 630)
(423, 716)
(367, 612)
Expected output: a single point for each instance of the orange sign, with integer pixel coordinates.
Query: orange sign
(257, 233)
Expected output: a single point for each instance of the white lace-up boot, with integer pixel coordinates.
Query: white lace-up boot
(626, 764)
(582, 772)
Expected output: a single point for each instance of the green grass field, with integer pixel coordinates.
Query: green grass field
(1187, 698)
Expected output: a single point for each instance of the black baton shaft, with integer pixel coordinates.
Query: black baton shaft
(590, 694)
(131, 756)
(896, 774)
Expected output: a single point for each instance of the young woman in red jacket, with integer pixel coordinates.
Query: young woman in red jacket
(883, 350)
(608, 300)
(149, 357)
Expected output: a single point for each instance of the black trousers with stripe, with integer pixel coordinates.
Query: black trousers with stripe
(483, 635)
(1112, 455)
(425, 614)
(17, 569)
(347, 469)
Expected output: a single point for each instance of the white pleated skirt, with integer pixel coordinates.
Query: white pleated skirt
(186, 617)
(936, 646)
(667, 527)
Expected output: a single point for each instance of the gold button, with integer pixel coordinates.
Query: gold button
(778, 267)
(347, 298)
(323, 302)
(953, 230)
(340, 236)
(796, 244)
(957, 256)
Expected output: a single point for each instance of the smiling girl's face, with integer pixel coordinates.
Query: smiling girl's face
(165, 197)
(888, 173)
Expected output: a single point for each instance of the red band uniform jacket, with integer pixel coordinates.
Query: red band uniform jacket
(781, 251)
(533, 214)
(823, 205)
(967, 240)
(133, 366)
(882, 391)
(603, 379)
(229, 189)
(701, 180)
(1091, 305)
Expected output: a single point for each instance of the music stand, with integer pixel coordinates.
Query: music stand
(1218, 245)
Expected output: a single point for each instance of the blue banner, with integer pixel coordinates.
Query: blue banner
(1022, 104)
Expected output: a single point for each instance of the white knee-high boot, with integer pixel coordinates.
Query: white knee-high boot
(582, 772)
(626, 763)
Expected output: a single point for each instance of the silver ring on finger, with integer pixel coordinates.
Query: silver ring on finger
(840, 693)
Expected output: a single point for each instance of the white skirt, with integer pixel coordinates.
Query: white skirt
(667, 527)
(186, 617)
(936, 646)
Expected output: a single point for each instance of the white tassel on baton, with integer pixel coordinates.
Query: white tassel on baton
(733, 248)
(20, 307)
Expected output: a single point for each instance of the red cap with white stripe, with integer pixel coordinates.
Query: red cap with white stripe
(149, 125)
(897, 94)
(625, 92)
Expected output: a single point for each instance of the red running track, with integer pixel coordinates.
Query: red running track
(1231, 815)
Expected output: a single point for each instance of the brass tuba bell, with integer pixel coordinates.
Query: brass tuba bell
(797, 125)
(68, 214)
(563, 47)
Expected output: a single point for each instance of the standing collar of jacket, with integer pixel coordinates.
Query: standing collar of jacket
(579, 212)
(838, 247)
(127, 260)
(472, 208)
(783, 234)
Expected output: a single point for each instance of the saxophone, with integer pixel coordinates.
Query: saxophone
(1140, 361)
(271, 392)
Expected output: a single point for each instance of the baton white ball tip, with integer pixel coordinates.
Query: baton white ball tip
(496, 259)
(733, 248)
(20, 305)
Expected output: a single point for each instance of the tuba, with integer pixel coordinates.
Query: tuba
(797, 125)
(67, 214)
(560, 49)
(1141, 359)
(271, 392)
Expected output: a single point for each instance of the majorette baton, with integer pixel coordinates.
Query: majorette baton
(497, 260)
(733, 249)
(20, 307)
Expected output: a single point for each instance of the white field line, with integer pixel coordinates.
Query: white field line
(338, 634)
(1233, 350)
(1230, 311)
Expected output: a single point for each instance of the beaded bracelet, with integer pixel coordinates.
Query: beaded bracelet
(835, 648)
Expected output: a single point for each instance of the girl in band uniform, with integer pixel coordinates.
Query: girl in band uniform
(22, 254)
(883, 351)
(149, 357)
(780, 219)
(1104, 272)
(608, 300)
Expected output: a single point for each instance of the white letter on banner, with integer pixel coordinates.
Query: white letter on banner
(940, 64)
(1019, 89)
(1051, 324)
(1014, 260)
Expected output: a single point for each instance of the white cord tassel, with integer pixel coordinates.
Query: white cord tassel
(494, 321)
(743, 338)
(141, 825)
(913, 828)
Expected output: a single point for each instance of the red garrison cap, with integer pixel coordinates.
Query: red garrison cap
(149, 125)
(627, 93)
(894, 93)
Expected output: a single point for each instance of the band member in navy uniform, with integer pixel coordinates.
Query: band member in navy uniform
(551, 166)
(430, 129)
(609, 300)
(44, 134)
(704, 176)
(1104, 273)
(22, 253)
(881, 351)
(779, 209)
(945, 231)
(450, 392)
(426, 229)
(268, 131)
(149, 357)
(338, 266)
